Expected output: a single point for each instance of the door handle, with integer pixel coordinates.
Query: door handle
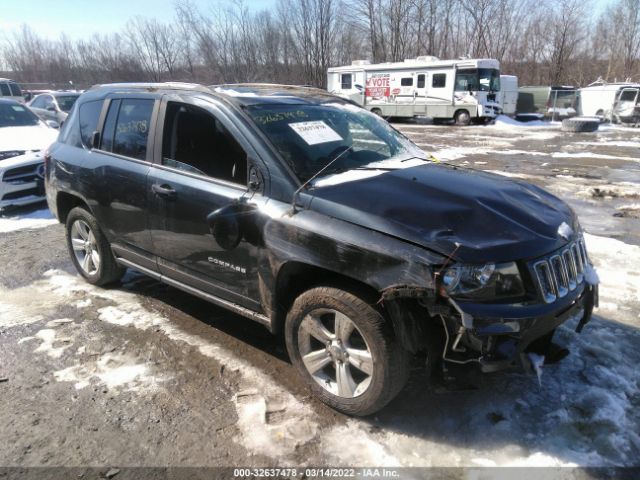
(163, 190)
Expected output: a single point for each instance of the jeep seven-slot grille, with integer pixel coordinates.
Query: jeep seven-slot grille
(562, 271)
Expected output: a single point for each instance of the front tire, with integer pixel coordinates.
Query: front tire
(462, 118)
(345, 351)
(89, 249)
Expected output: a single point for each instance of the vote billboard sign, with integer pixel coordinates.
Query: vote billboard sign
(378, 85)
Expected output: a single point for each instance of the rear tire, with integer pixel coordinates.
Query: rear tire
(89, 249)
(356, 373)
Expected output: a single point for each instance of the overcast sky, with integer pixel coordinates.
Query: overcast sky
(82, 18)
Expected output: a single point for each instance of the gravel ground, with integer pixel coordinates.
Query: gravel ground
(144, 375)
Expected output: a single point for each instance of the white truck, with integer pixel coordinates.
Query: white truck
(508, 94)
(616, 102)
(460, 90)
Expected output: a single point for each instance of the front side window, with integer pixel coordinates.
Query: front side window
(16, 115)
(195, 141)
(406, 82)
(89, 114)
(132, 128)
(346, 81)
(439, 80)
(628, 95)
(309, 137)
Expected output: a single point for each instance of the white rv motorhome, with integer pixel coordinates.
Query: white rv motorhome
(462, 90)
(611, 101)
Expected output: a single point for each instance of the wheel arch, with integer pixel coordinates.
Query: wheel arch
(295, 277)
(66, 201)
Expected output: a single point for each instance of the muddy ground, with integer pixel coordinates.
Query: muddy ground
(142, 374)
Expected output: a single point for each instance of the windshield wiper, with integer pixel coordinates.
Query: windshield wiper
(316, 175)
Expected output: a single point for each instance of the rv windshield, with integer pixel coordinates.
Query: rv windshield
(478, 79)
(309, 137)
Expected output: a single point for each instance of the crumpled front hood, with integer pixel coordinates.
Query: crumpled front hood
(36, 137)
(480, 216)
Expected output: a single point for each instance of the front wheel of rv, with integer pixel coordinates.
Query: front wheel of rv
(462, 118)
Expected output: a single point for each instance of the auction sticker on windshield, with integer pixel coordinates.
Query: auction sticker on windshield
(315, 132)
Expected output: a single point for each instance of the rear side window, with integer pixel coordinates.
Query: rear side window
(89, 116)
(39, 102)
(439, 80)
(132, 128)
(4, 90)
(15, 88)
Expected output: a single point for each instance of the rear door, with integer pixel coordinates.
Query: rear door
(201, 167)
(421, 93)
(120, 166)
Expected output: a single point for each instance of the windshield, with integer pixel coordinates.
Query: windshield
(66, 102)
(478, 79)
(309, 137)
(16, 115)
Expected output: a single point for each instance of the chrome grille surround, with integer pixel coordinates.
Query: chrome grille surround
(562, 271)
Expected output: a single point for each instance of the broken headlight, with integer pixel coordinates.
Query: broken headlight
(482, 282)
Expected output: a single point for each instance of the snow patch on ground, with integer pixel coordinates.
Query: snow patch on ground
(350, 443)
(611, 143)
(618, 266)
(110, 370)
(510, 174)
(592, 155)
(37, 219)
(48, 338)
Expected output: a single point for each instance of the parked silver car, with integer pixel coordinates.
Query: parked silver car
(23, 139)
(54, 105)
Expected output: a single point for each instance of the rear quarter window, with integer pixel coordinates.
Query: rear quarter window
(89, 115)
(4, 90)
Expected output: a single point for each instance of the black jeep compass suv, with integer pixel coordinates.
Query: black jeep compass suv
(312, 216)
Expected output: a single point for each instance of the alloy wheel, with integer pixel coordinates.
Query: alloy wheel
(335, 353)
(85, 249)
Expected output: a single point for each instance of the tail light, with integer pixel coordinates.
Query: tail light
(47, 159)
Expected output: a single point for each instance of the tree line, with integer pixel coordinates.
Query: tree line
(543, 42)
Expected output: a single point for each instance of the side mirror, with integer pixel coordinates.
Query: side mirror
(224, 225)
(51, 108)
(52, 124)
(255, 180)
(94, 141)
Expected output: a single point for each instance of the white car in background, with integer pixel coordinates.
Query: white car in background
(23, 140)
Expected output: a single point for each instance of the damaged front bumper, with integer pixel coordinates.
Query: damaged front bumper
(499, 336)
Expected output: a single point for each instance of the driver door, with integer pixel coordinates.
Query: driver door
(200, 167)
